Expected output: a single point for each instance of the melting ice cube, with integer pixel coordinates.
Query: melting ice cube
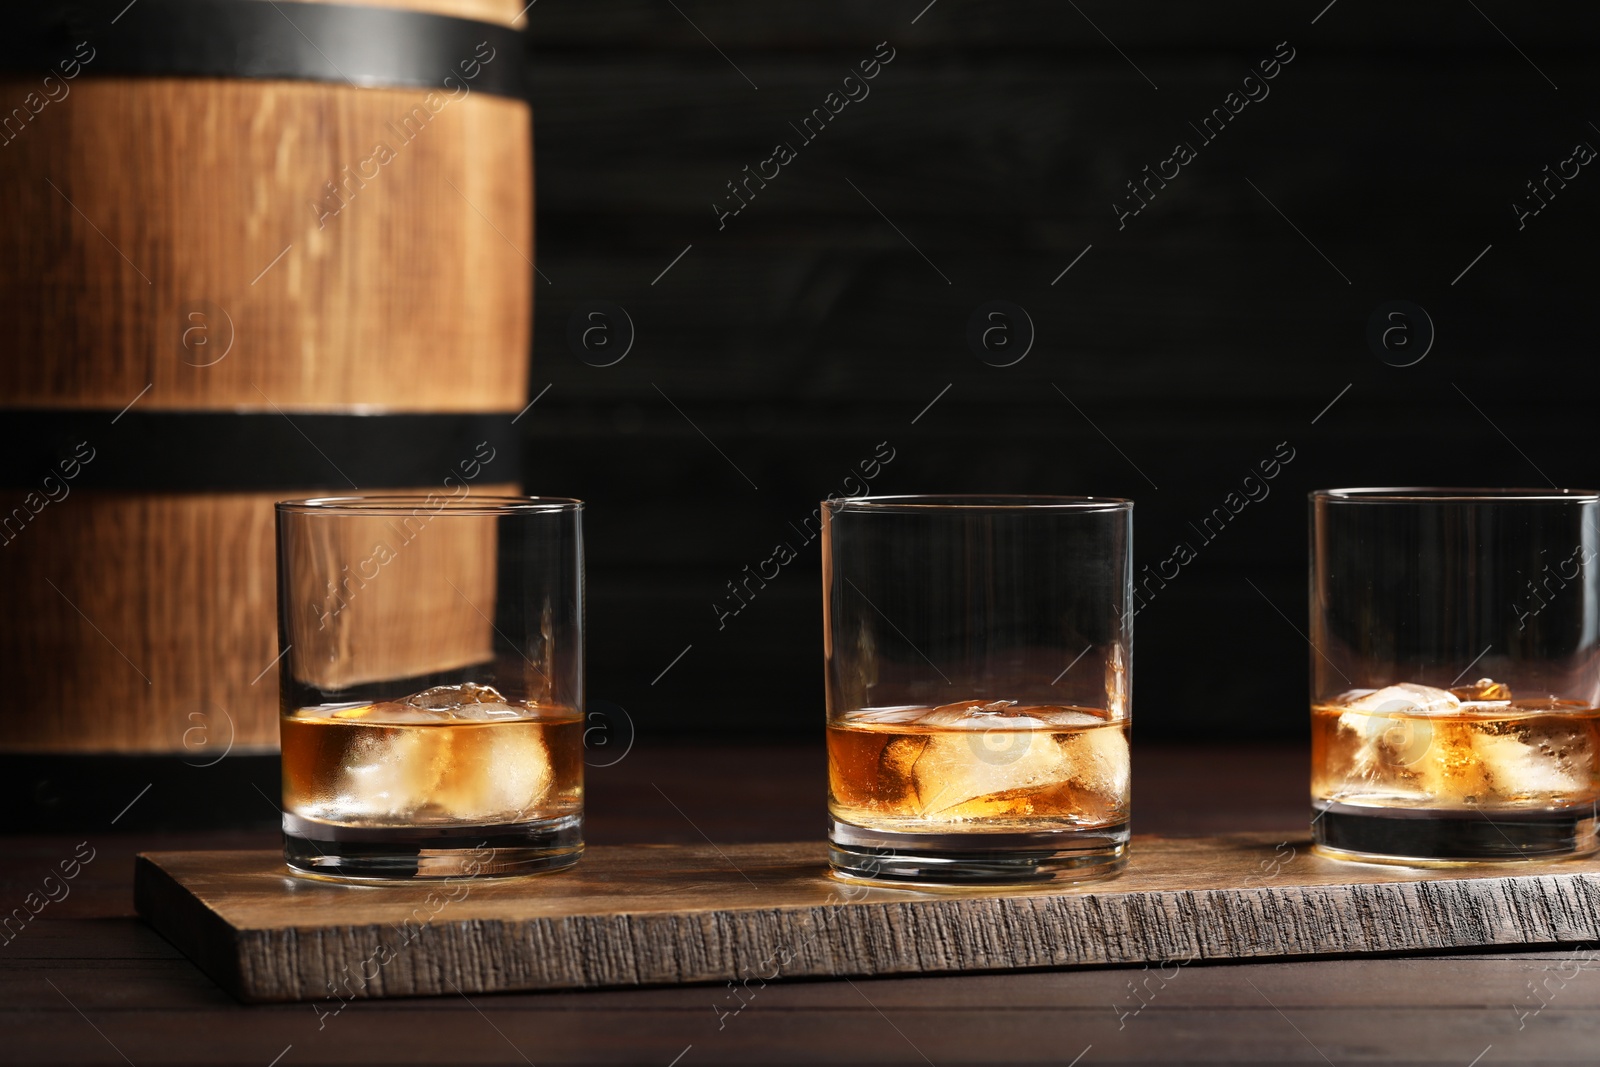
(1392, 726)
(976, 715)
(1536, 756)
(495, 775)
(1407, 698)
(414, 762)
(990, 760)
(390, 773)
(467, 701)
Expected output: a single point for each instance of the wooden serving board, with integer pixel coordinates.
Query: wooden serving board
(673, 914)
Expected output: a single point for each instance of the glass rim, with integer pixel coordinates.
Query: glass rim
(407, 504)
(1434, 494)
(957, 502)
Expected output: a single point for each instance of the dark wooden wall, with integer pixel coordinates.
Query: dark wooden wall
(1196, 339)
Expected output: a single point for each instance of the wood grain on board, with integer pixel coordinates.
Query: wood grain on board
(674, 914)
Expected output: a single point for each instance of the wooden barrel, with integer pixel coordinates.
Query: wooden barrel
(259, 243)
(253, 251)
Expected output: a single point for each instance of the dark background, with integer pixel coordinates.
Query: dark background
(1197, 338)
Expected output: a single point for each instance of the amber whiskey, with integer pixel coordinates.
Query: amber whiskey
(979, 766)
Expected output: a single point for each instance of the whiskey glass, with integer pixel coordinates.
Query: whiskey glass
(978, 654)
(1455, 673)
(432, 685)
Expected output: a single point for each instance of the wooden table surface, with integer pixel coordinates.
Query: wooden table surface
(87, 983)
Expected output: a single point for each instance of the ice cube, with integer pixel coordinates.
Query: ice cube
(434, 756)
(977, 715)
(394, 713)
(1391, 724)
(901, 715)
(953, 770)
(495, 776)
(467, 702)
(966, 709)
(387, 713)
(1389, 737)
(460, 774)
(392, 774)
(485, 711)
(896, 765)
(1407, 698)
(1059, 716)
(1099, 759)
(1405, 760)
(997, 772)
(1527, 759)
(448, 697)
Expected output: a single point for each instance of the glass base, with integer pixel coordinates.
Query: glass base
(1449, 836)
(888, 857)
(365, 853)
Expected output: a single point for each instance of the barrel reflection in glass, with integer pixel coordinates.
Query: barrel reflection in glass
(978, 653)
(432, 686)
